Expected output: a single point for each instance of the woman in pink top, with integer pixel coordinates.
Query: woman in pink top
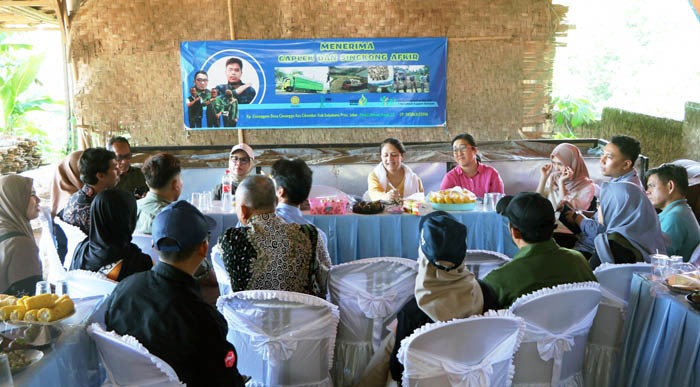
(565, 178)
(470, 173)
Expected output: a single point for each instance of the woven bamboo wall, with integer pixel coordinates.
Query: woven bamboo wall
(125, 58)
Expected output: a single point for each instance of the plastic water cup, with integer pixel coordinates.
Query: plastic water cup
(5, 371)
(197, 199)
(42, 287)
(659, 265)
(490, 201)
(206, 201)
(61, 288)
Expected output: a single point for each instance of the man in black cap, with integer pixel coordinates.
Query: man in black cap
(164, 310)
(540, 263)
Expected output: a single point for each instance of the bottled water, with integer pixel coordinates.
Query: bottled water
(226, 191)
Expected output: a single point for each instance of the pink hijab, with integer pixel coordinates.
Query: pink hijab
(571, 156)
(66, 181)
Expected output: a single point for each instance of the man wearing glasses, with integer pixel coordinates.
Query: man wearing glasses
(240, 164)
(201, 84)
(130, 178)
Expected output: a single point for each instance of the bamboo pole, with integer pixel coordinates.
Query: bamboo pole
(232, 35)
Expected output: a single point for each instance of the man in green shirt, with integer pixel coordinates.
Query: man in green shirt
(130, 178)
(162, 173)
(540, 263)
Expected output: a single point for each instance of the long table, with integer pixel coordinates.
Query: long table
(72, 360)
(662, 338)
(354, 236)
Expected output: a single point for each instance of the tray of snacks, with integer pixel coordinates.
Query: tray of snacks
(683, 282)
(20, 359)
(364, 207)
(453, 199)
(42, 309)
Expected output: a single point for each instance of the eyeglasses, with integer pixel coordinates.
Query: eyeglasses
(461, 149)
(241, 160)
(123, 157)
(201, 79)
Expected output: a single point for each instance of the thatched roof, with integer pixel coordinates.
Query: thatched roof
(23, 15)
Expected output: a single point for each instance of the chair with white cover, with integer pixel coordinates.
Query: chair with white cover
(369, 292)
(145, 243)
(695, 256)
(282, 338)
(128, 362)
(84, 283)
(74, 235)
(474, 351)
(605, 337)
(220, 270)
(557, 322)
(47, 248)
(481, 262)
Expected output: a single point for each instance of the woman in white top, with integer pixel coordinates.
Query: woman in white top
(392, 179)
(566, 178)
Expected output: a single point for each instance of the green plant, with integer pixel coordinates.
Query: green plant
(569, 114)
(20, 65)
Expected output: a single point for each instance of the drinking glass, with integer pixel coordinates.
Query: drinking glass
(197, 199)
(61, 288)
(206, 201)
(659, 264)
(42, 287)
(5, 371)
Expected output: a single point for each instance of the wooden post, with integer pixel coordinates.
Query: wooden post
(232, 35)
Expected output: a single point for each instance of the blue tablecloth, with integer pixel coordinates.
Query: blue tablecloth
(662, 338)
(355, 236)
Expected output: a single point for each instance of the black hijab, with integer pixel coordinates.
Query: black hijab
(112, 222)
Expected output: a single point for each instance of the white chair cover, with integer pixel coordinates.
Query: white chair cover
(482, 357)
(282, 338)
(145, 243)
(481, 262)
(220, 270)
(369, 293)
(128, 362)
(557, 321)
(73, 235)
(605, 337)
(51, 263)
(83, 283)
(695, 256)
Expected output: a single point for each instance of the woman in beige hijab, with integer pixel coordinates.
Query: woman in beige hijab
(66, 181)
(20, 267)
(445, 289)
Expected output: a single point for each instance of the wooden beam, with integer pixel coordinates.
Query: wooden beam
(24, 3)
(32, 13)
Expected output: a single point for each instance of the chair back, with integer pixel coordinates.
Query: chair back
(145, 243)
(369, 292)
(74, 235)
(282, 338)
(128, 362)
(84, 283)
(481, 262)
(605, 337)
(695, 256)
(220, 270)
(557, 321)
(431, 358)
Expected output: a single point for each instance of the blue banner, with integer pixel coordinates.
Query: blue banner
(316, 83)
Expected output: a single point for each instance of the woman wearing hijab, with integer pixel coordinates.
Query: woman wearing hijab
(20, 267)
(391, 179)
(566, 179)
(108, 248)
(632, 230)
(66, 181)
